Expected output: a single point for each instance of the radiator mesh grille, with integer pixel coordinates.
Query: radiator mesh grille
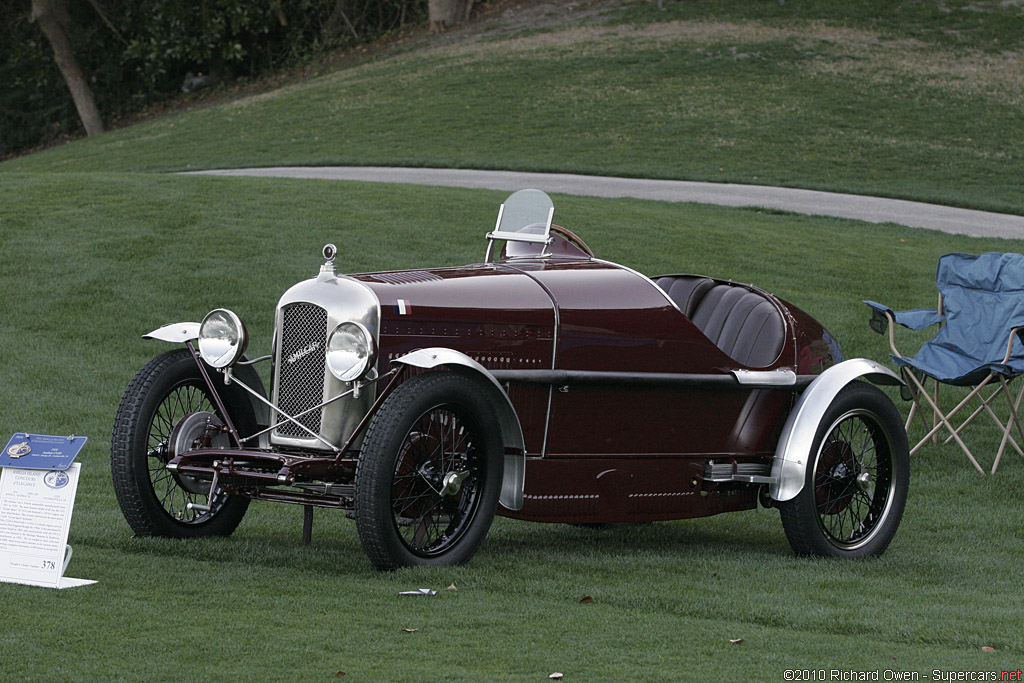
(301, 373)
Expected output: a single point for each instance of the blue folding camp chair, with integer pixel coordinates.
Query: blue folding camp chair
(981, 318)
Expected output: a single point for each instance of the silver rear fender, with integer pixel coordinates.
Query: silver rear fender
(793, 453)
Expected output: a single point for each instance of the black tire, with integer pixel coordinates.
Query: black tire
(433, 427)
(857, 478)
(152, 498)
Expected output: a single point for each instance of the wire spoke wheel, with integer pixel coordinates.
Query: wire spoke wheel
(429, 473)
(853, 482)
(150, 418)
(431, 512)
(174, 491)
(855, 486)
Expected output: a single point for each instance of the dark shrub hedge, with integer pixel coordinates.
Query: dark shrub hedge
(135, 52)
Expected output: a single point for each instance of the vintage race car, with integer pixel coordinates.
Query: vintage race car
(543, 384)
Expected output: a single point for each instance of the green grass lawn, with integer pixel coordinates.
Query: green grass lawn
(79, 290)
(98, 246)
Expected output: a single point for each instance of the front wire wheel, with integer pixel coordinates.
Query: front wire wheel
(429, 474)
(155, 501)
(856, 484)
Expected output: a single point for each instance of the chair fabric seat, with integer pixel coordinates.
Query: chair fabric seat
(745, 325)
(982, 298)
(978, 345)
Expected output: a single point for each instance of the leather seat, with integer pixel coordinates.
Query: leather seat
(742, 323)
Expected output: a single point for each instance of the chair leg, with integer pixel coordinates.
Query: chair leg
(985, 406)
(970, 419)
(913, 409)
(944, 419)
(916, 389)
(1016, 410)
(1014, 419)
(1009, 425)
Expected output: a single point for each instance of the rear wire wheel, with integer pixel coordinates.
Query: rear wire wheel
(154, 499)
(429, 474)
(855, 487)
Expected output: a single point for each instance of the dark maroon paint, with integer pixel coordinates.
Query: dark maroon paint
(606, 453)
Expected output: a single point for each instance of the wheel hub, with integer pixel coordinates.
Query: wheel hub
(453, 482)
(201, 429)
(837, 478)
(866, 484)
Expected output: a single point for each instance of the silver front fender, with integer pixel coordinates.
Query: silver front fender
(175, 333)
(179, 333)
(514, 475)
(794, 450)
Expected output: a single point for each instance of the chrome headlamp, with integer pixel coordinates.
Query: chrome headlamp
(222, 338)
(351, 351)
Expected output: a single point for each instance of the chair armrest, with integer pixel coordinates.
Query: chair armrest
(883, 317)
(914, 319)
(1015, 332)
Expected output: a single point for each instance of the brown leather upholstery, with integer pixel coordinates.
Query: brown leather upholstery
(742, 323)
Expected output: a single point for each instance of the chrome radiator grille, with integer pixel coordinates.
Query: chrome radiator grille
(300, 375)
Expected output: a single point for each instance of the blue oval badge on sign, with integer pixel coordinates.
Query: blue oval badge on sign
(56, 479)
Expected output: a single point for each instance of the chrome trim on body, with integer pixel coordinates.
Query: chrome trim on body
(783, 377)
(772, 379)
(793, 453)
(744, 472)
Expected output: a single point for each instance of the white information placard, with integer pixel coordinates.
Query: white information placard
(35, 517)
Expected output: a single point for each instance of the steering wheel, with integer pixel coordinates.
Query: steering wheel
(573, 239)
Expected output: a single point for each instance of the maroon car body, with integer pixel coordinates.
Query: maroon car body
(585, 392)
(647, 459)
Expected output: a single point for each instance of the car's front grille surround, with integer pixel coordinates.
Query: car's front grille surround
(300, 372)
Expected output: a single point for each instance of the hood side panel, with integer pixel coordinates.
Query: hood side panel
(495, 315)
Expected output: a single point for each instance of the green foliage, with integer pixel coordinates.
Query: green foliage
(34, 102)
(163, 36)
(150, 46)
(232, 38)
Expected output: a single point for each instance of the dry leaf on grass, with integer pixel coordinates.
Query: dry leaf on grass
(587, 598)
(988, 649)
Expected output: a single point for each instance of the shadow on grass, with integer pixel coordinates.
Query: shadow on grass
(276, 543)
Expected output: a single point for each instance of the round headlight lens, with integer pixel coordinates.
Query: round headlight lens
(222, 338)
(350, 351)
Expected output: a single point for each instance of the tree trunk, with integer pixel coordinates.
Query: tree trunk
(53, 20)
(447, 13)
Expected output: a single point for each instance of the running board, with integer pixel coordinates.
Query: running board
(741, 472)
(327, 489)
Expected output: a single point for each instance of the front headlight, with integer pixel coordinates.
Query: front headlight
(222, 338)
(350, 351)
